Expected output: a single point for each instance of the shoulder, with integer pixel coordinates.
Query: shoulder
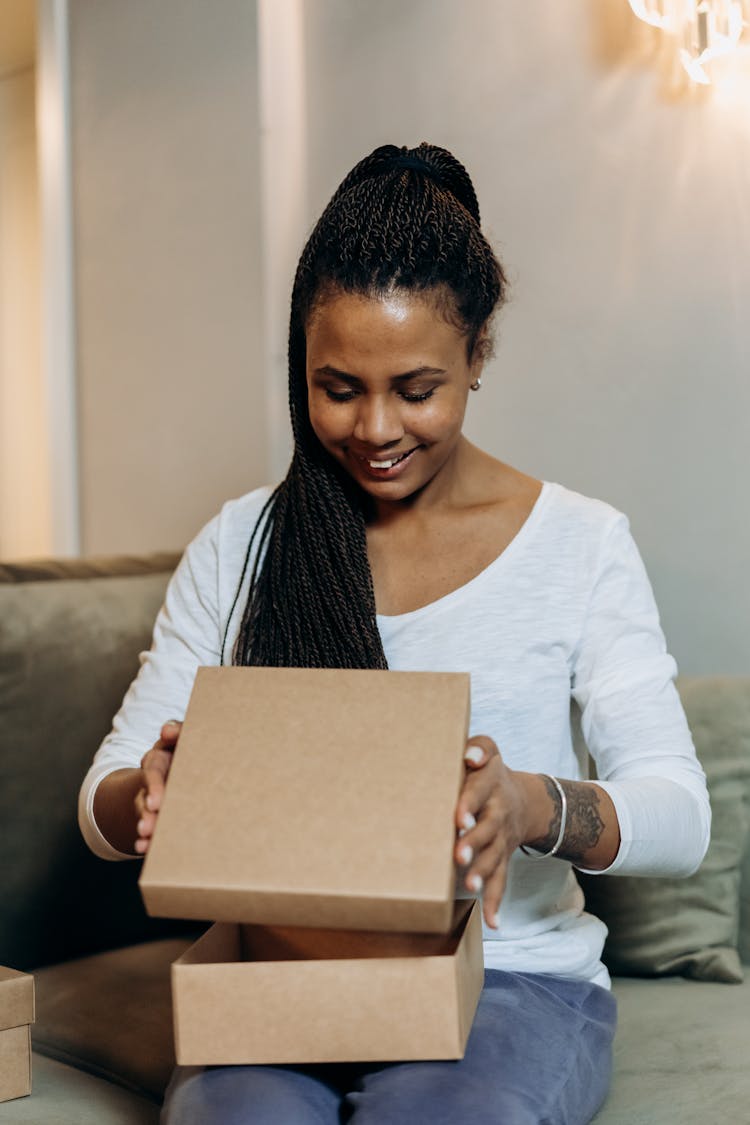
(574, 538)
(587, 512)
(570, 517)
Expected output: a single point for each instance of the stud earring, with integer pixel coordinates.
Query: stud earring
(476, 384)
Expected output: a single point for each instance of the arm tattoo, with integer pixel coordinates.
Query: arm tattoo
(584, 825)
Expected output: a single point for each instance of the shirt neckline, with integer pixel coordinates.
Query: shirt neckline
(499, 561)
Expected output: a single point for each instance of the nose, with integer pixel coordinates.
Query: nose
(378, 422)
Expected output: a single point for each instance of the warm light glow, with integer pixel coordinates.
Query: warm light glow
(703, 30)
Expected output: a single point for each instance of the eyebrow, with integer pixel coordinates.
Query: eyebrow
(402, 377)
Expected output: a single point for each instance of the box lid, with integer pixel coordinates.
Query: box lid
(313, 797)
(16, 998)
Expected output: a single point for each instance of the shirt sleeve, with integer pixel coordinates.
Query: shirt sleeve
(187, 634)
(633, 721)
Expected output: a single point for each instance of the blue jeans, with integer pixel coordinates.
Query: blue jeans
(539, 1053)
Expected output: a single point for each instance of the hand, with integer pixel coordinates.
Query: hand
(155, 766)
(490, 818)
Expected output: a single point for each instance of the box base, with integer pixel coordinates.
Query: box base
(255, 994)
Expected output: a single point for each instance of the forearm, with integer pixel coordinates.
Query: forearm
(591, 838)
(114, 808)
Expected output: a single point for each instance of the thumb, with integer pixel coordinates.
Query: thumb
(478, 752)
(170, 731)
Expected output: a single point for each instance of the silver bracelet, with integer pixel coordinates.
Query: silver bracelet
(563, 821)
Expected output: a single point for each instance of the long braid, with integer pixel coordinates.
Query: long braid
(402, 218)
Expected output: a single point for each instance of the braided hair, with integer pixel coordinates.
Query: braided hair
(404, 219)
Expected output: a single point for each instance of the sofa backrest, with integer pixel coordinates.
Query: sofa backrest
(699, 926)
(70, 636)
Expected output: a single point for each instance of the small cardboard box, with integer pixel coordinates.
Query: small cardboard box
(256, 994)
(16, 1015)
(302, 802)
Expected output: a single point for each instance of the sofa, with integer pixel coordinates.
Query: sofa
(70, 636)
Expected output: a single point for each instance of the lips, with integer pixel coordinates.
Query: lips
(380, 467)
(387, 464)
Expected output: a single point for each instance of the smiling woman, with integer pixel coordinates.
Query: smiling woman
(393, 542)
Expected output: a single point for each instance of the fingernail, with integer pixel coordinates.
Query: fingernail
(468, 821)
(172, 723)
(475, 883)
(141, 827)
(495, 923)
(150, 803)
(465, 855)
(474, 754)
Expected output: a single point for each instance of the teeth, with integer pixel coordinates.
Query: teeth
(388, 464)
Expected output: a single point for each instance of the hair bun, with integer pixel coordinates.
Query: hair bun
(448, 172)
(429, 160)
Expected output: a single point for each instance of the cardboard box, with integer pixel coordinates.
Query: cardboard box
(16, 1015)
(254, 994)
(311, 814)
(305, 797)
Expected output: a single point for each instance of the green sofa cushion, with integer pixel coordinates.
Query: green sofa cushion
(71, 637)
(690, 926)
(680, 1054)
(76, 1002)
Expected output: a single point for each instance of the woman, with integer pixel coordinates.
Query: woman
(394, 542)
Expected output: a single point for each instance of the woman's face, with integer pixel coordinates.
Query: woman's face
(387, 383)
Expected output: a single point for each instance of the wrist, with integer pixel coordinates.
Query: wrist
(541, 811)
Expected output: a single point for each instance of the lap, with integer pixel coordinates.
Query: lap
(539, 1052)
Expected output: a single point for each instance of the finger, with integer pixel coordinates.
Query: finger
(479, 749)
(494, 889)
(155, 765)
(488, 877)
(473, 841)
(154, 779)
(146, 825)
(155, 775)
(140, 801)
(476, 791)
(170, 732)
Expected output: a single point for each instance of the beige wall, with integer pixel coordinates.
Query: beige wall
(623, 360)
(24, 472)
(166, 200)
(620, 213)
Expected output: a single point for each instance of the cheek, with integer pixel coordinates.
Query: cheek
(442, 420)
(328, 420)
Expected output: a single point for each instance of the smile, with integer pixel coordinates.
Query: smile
(386, 466)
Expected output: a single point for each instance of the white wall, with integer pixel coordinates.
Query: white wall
(172, 405)
(621, 215)
(25, 527)
(619, 212)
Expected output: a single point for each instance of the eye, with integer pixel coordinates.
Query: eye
(414, 396)
(339, 396)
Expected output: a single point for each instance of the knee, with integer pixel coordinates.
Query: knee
(247, 1095)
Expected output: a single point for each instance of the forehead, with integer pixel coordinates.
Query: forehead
(398, 323)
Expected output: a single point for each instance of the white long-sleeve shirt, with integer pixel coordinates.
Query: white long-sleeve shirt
(565, 611)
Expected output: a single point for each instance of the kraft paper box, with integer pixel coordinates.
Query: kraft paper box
(310, 814)
(255, 994)
(305, 797)
(16, 1014)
